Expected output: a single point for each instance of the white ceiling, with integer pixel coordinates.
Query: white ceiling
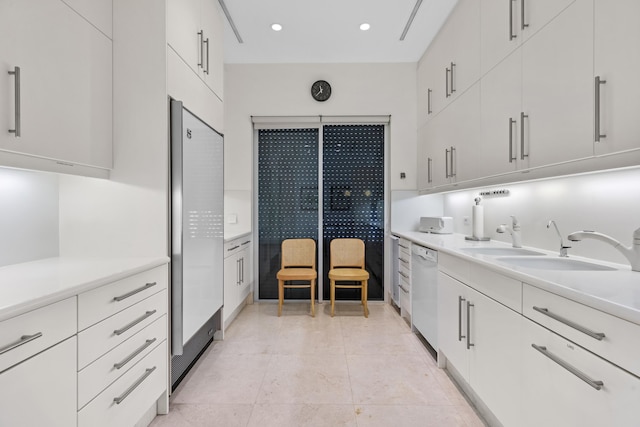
(327, 31)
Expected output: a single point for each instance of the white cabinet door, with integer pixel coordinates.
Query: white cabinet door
(495, 360)
(65, 101)
(213, 27)
(501, 118)
(183, 31)
(42, 390)
(535, 14)
(554, 394)
(500, 31)
(434, 161)
(617, 60)
(231, 284)
(452, 318)
(460, 130)
(558, 88)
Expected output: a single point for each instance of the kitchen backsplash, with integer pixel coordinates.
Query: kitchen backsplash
(607, 202)
(28, 216)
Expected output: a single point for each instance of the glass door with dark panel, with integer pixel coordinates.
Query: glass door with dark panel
(349, 193)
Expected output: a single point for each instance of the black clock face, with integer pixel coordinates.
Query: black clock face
(321, 90)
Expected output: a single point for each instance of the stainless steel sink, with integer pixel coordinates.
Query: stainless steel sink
(500, 251)
(551, 263)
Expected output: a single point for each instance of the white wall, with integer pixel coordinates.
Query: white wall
(28, 216)
(608, 202)
(284, 90)
(127, 215)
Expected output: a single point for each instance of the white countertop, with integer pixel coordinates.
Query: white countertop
(614, 292)
(29, 285)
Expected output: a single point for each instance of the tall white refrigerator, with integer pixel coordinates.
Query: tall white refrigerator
(197, 237)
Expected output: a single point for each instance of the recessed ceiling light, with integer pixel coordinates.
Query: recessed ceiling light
(276, 27)
(365, 26)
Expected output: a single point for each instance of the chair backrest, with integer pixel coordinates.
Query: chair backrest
(299, 253)
(346, 253)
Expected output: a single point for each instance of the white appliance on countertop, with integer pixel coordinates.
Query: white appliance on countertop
(436, 224)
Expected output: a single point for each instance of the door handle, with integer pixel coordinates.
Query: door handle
(597, 335)
(201, 41)
(460, 301)
(453, 86)
(511, 123)
(469, 343)
(522, 117)
(429, 176)
(453, 168)
(206, 70)
(584, 377)
(598, 83)
(446, 81)
(429, 111)
(446, 163)
(511, 35)
(16, 130)
(522, 18)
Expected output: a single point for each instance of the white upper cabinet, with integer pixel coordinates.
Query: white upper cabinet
(194, 32)
(617, 61)
(501, 144)
(506, 24)
(60, 100)
(557, 88)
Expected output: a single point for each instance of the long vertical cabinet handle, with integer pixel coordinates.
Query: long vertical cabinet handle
(446, 82)
(511, 35)
(237, 272)
(469, 343)
(16, 73)
(429, 111)
(460, 301)
(597, 133)
(522, 117)
(242, 270)
(446, 163)
(511, 123)
(453, 168)
(453, 86)
(206, 70)
(429, 172)
(201, 41)
(522, 16)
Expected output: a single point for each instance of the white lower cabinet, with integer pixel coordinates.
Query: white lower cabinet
(478, 336)
(41, 391)
(565, 385)
(127, 399)
(238, 275)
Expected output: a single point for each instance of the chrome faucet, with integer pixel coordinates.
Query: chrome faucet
(632, 253)
(514, 230)
(563, 248)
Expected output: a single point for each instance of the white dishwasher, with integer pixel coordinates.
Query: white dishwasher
(424, 292)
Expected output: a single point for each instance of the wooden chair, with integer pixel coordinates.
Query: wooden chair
(298, 264)
(347, 264)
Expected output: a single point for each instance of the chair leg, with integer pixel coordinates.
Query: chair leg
(364, 298)
(280, 296)
(313, 297)
(333, 295)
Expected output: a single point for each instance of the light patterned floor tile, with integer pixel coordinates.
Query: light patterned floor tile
(204, 415)
(303, 415)
(408, 416)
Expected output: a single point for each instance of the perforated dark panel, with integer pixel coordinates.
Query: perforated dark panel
(353, 196)
(287, 199)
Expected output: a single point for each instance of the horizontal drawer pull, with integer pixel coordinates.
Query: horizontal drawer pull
(134, 323)
(403, 289)
(233, 248)
(597, 335)
(134, 354)
(403, 275)
(135, 385)
(403, 246)
(135, 291)
(22, 341)
(584, 377)
(404, 260)
(246, 243)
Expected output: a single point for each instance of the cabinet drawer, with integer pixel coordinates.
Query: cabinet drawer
(136, 390)
(405, 261)
(104, 371)
(453, 266)
(405, 248)
(579, 323)
(561, 380)
(503, 289)
(236, 245)
(23, 336)
(102, 302)
(98, 339)
(405, 273)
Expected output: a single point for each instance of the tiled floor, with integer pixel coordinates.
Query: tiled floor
(296, 370)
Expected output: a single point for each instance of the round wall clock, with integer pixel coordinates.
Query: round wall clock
(321, 90)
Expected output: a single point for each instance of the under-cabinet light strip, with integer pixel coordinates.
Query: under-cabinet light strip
(230, 19)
